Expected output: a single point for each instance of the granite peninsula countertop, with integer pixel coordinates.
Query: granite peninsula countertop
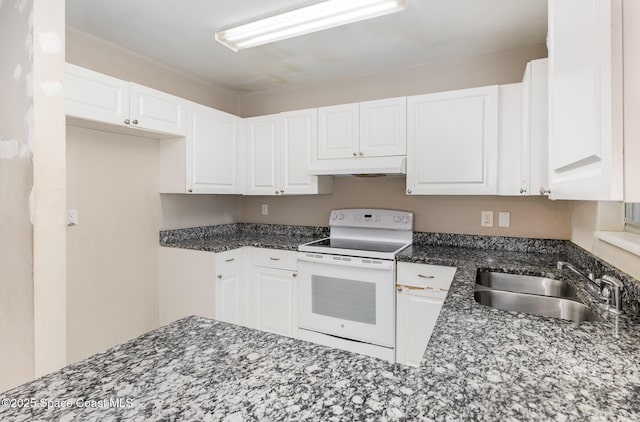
(481, 364)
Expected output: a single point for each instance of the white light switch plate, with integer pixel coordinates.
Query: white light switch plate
(504, 219)
(265, 209)
(486, 218)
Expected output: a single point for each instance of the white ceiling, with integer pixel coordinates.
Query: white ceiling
(180, 34)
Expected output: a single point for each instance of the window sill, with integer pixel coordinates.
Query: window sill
(630, 242)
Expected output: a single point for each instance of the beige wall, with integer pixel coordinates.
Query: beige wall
(631, 42)
(16, 179)
(182, 211)
(113, 182)
(588, 217)
(497, 68)
(49, 187)
(102, 56)
(112, 252)
(531, 217)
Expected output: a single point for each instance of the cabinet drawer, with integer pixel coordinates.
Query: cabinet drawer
(431, 277)
(275, 258)
(228, 260)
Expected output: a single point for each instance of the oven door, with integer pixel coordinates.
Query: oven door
(348, 297)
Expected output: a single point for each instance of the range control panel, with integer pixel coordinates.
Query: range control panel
(372, 218)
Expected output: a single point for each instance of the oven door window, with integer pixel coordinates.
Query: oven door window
(349, 300)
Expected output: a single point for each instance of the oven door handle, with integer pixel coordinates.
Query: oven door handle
(346, 261)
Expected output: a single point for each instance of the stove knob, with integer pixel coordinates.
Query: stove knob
(377, 218)
(334, 216)
(396, 218)
(405, 219)
(341, 216)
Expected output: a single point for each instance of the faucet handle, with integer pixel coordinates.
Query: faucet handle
(612, 291)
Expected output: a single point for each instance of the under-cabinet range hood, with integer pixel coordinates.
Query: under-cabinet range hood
(368, 165)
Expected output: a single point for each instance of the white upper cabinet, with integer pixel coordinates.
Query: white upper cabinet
(585, 99)
(509, 140)
(299, 130)
(279, 149)
(383, 127)
(452, 142)
(100, 98)
(534, 161)
(208, 160)
(93, 96)
(155, 110)
(212, 151)
(263, 150)
(338, 131)
(361, 130)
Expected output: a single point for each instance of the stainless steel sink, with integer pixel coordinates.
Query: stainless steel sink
(532, 295)
(537, 305)
(525, 284)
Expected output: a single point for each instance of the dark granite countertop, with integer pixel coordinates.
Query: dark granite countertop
(481, 364)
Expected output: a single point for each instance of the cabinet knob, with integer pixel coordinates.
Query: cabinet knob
(544, 191)
(523, 190)
(277, 192)
(360, 153)
(135, 122)
(355, 154)
(281, 191)
(294, 274)
(189, 190)
(127, 121)
(219, 275)
(409, 191)
(399, 287)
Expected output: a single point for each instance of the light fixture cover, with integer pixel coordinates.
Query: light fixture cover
(317, 17)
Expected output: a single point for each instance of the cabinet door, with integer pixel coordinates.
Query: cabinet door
(262, 146)
(585, 99)
(186, 284)
(299, 132)
(383, 127)
(338, 131)
(212, 151)
(275, 301)
(93, 96)
(509, 142)
(230, 287)
(416, 317)
(452, 142)
(229, 298)
(535, 129)
(156, 111)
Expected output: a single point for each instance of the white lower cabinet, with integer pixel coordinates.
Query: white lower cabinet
(422, 290)
(274, 297)
(231, 291)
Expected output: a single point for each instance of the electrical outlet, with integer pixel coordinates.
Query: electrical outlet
(504, 219)
(486, 218)
(72, 218)
(265, 209)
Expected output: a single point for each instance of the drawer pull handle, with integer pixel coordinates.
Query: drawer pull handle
(437, 289)
(403, 286)
(274, 259)
(219, 275)
(229, 260)
(426, 276)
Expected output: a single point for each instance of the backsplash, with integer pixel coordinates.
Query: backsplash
(512, 244)
(238, 229)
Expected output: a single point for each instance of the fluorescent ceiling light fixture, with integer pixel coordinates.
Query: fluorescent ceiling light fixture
(317, 17)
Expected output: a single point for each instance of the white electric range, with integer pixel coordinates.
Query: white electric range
(346, 288)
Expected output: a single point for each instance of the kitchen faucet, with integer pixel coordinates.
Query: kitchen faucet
(606, 289)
